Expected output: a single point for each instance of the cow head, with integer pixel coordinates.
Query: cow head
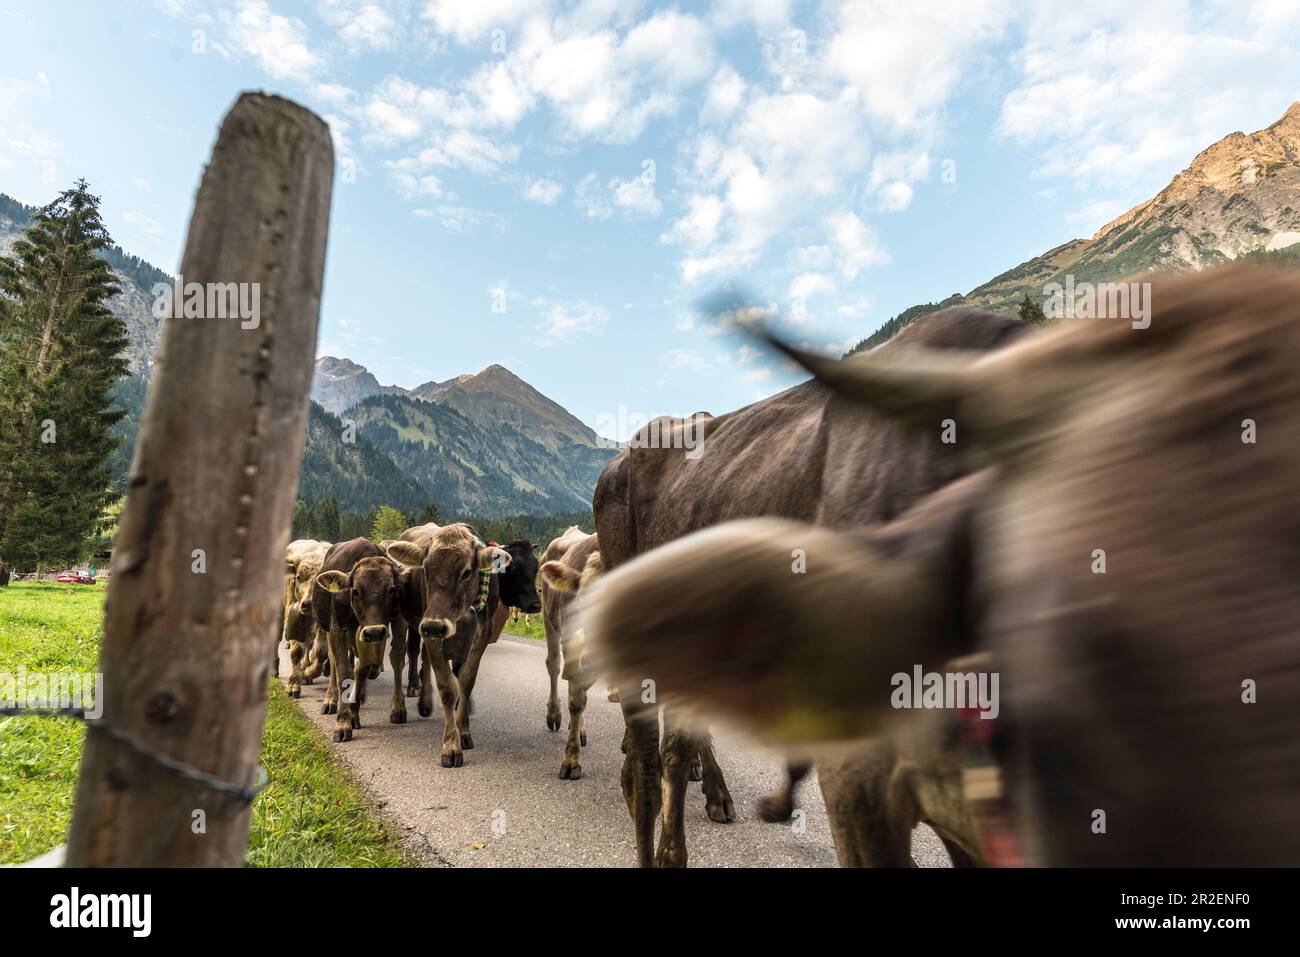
(450, 562)
(374, 589)
(1129, 555)
(518, 582)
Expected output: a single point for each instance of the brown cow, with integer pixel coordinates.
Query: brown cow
(358, 597)
(569, 563)
(1129, 557)
(457, 618)
(803, 454)
(4, 576)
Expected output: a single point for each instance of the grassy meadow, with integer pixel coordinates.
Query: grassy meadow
(312, 814)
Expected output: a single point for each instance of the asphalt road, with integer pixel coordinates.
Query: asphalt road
(508, 807)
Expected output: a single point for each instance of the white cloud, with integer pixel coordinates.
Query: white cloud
(590, 199)
(904, 60)
(562, 322)
(543, 192)
(278, 43)
(688, 359)
(362, 25)
(1128, 91)
(469, 21)
(811, 284)
(726, 93)
(855, 244)
(636, 196)
(147, 225)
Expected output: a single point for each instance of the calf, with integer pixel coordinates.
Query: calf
(457, 617)
(358, 597)
(1128, 556)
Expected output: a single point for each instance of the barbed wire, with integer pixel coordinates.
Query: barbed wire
(211, 781)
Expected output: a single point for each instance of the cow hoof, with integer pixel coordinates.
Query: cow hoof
(342, 734)
(720, 812)
(328, 708)
(413, 692)
(466, 741)
(670, 857)
(775, 808)
(552, 724)
(295, 692)
(397, 717)
(612, 695)
(425, 710)
(582, 739)
(570, 772)
(308, 681)
(454, 760)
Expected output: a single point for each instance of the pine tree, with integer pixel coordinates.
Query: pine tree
(389, 524)
(428, 514)
(60, 355)
(1031, 311)
(327, 520)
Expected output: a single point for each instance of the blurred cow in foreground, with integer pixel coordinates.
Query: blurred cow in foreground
(805, 454)
(303, 560)
(1129, 555)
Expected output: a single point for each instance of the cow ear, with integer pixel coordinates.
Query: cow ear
(406, 553)
(493, 558)
(333, 581)
(560, 576)
(793, 630)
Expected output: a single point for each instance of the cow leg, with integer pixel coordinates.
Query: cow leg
(678, 752)
(320, 657)
(467, 675)
(448, 692)
(341, 678)
(553, 670)
(571, 769)
(426, 678)
(717, 799)
(415, 679)
(778, 807)
(396, 656)
(642, 769)
(297, 650)
(871, 805)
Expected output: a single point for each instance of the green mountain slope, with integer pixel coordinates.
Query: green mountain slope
(480, 464)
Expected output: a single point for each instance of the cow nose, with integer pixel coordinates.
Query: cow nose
(304, 607)
(435, 628)
(374, 632)
(533, 608)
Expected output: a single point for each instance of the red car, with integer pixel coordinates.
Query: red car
(77, 576)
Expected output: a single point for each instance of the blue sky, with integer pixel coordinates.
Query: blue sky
(553, 186)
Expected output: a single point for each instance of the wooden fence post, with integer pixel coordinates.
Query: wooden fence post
(198, 562)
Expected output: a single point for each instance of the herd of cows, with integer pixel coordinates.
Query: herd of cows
(1114, 531)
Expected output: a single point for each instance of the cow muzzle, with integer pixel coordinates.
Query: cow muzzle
(532, 608)
(372, 633)
(435, 628)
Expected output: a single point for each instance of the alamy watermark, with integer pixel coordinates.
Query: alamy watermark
(665, 431)
(1102, 300)
(209, 300)
(65, 689)
(953, 690)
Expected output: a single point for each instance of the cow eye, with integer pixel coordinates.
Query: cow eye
(465, 574)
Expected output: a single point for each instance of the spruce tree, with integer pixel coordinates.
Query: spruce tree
(60, 355)
(327, 520)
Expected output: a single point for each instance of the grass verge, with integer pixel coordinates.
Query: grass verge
(312, 814)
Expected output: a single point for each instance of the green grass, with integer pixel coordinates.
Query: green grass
(535, 630)
(312, 814)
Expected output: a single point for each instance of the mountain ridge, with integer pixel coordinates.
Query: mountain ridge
(1237, 197)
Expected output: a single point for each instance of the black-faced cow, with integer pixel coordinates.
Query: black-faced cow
(358, 597)
(456, 572)
(1129, 556)
(569, 563)
(804, 454)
